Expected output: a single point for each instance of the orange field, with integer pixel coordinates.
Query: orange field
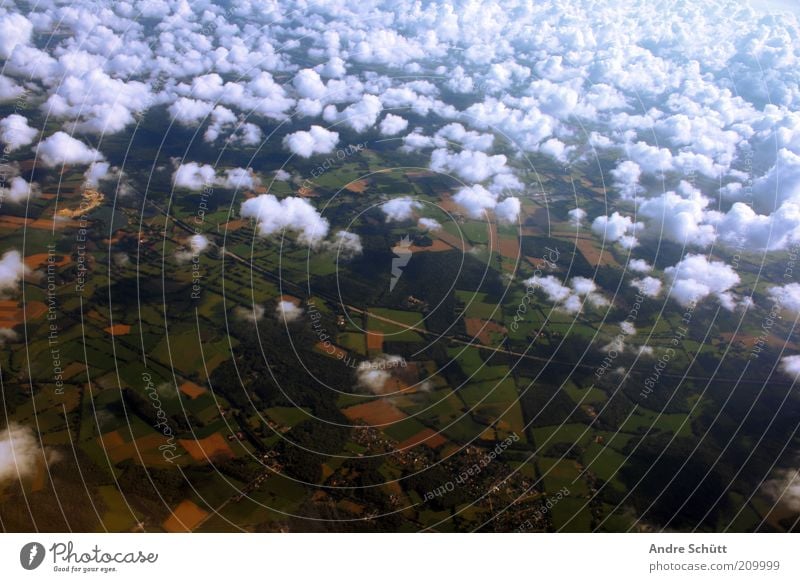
(427, 437)
(376, 412)
(11, 314)
(483, 329)
(192, 390)
(208, 448)
(185, 517)
(118, 329)
(375, 340)
(358, 186)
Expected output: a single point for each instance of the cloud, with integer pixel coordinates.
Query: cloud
(253, 314)
(317, 140)
(508, 210)
(393, 124)
(428, 224)
(15, 30)
(359, 116)
(20, 453)
(346, 244)
(400, 209)
(15, 132)
(786, 486)
(790, 365)
(287, 311)
(18, 190)
(12, 269)
(373, 375)
(617, 228)
(569, 298)
(626, 179)
(95, 173)
(292, 213)
(475, 200)
(576, 216)
(471, 166)
(639, 266)
(194, 176)
(786, 297)
(679, 218)
(695, 277)
(648, 286)
(61, 148)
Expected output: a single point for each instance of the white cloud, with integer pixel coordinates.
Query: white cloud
(790, 365)
(292, 213)
(95, 173)
(400, 209)
(508, 210)
(20, 453)
(786, 486)
(428, 224)
(373, 375)
(679, 218)
(393, 124)
(61, 148)
(317, 140)
(695, 277)
(346, 244)
(15, 30)
(617, 228)
(12, 269)
(576, 216)
(569, 298)
(648, 286)
(194, 176)
(15, 132)
(639, 266)
(18, 190)
(253, 314)
(288, 311)
(786, 297)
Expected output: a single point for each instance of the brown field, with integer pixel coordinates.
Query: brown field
(358, 186)
(118, 329)
(591, 252)
(376, 412)
(192, 390)
(34, 261)
(437, 247)
(14, 222)
(73, 369)
(185, 517)
(375, 340)
(50, 224)
(11, 314)
(427, 437)
(306, 192)
(509, 248)
(207, 448)
(483, 329)
(453, 240)
(232, 225)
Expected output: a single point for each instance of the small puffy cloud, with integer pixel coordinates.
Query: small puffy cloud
(61, 148)
(194, 176)
(508, 210)
(15, 132)
(253, 314)
(292, 213)
(288, 311)
(569, 298)
(471, 166)
(786, 486)
(428, 224)
(195, 246)
(239, 179)
(12, 270)
(7, 335)
(20, 453)
(18, 190)
(617, 228)
(393, 124)
(695, 277)
(786, 297)
(95, 173)
(317, 140)
(190, 112)
(639, 266)
(626, 179)
(362, 115)
(648, 286)
(475, 200)
(679, 218)
(15, 30)
(399, 209)
(346, 244)
(627, 328)
(373, 375)
(790, 365)
(576, 216)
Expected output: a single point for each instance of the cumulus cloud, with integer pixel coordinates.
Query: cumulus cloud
(785, 487)
(786, 297)
(570, 298)
(253, 314)
(293, 213)
(317, 140)
(288, 311)
(372, 375)
(346, 244)
(695, 277)
(678, 216)
(20, 453)
(18, 190)
(428, 224)
(194, 176)
(648, 286)
(639, 266)
(617, 228)
(576, 216)
(15, 132)
(400, 209)
(393, 124)
(61, 148)
(12, 270)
